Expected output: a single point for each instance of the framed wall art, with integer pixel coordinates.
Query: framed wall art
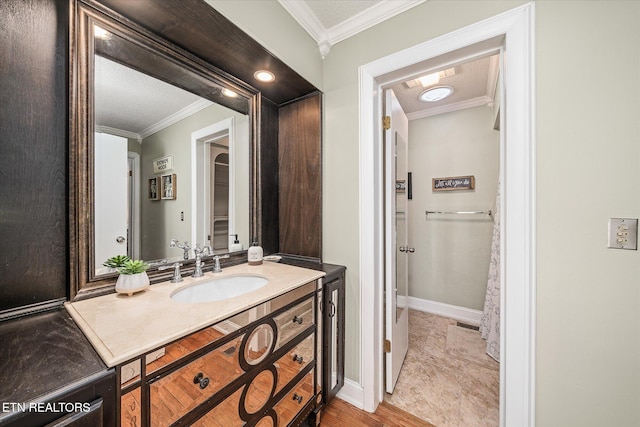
(154, 189)
(168, 186)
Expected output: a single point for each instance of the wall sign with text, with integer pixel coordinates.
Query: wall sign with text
(454, 183)
(163, 164)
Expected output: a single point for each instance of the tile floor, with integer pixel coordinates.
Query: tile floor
(447, 379)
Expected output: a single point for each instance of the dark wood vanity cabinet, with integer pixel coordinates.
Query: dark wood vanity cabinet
(333, 321)
(51, 375)
(255, 368)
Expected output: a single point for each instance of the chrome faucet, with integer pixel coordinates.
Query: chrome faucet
(197, 272)
(185, 247)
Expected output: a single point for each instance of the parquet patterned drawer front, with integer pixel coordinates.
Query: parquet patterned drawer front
(287, 409)
(184, 389)
(293, 321)
(294, 362)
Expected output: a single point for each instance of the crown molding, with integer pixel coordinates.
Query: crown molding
(118, 132)
(327, 37)
(200, 104)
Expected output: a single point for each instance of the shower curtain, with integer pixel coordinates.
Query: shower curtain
(490, 327)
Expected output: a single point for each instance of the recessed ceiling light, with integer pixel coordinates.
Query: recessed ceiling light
(229, 93)
(264, 76)
(435, 93)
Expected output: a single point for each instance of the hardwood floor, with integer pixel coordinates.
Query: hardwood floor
(341, 414)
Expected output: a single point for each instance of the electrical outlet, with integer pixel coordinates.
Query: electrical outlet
(623, 233)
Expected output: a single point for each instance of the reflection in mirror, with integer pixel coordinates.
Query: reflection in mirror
(335, 337)
(259, 344)
(168, 162)
(259, 391)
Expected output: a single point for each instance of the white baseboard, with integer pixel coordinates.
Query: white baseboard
(352, 393)
(462, 314)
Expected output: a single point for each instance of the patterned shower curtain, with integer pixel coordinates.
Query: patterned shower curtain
(490, 327)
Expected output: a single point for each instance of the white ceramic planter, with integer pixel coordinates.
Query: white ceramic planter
(131, 283)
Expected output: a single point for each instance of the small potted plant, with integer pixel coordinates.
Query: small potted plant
(133, 277)
(115, 262)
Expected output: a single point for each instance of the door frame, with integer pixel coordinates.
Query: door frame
(513, 29)
(200, 140)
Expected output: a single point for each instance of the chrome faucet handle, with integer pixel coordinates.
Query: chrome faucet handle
(200, 251)
(177, 277)
(174, 243)
(216, 266)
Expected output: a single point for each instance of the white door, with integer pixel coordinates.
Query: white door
(111, 197)
(396, 247)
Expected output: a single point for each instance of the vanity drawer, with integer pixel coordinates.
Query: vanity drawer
(290, 405)
(295, 320)
(184, 389)
(294, 361)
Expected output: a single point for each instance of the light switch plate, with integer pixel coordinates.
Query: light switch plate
(623, 233)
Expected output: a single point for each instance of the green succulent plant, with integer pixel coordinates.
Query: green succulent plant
(133, 267)
(116, 261)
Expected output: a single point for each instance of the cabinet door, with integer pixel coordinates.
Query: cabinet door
(333, 336)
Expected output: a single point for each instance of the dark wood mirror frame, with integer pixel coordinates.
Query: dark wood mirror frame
(84, 13)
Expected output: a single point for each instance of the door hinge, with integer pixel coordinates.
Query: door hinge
(386, 122)
(387, 346)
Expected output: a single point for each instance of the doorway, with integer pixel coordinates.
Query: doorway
(514, 31)
(213, 153)
(443, 231)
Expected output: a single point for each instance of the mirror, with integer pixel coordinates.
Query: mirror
(168, 164)
(162, 147)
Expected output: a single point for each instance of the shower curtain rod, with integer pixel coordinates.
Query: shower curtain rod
(462, 212)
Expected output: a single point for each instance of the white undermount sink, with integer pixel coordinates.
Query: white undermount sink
(219, 289)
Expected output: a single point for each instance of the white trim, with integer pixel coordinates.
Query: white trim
(327, 37)
(135, 203)
(469, 103)
(351, 392)
(462, 314)
(118, 132)
(517, 385)
(187, 111)
(200, 140)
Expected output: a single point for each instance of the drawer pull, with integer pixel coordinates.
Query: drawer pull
(298, 359)
(202, 380)
(297, 320)
(297, 397)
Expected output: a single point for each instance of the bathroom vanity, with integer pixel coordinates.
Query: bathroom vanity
(45, 357)
(252, 359)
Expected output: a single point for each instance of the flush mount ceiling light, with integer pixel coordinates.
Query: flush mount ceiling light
(264, 76)
(435, 93)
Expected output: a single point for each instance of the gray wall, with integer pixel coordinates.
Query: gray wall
(588, 149)
(451, 261)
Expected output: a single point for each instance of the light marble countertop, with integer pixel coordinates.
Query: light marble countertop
(122, 327)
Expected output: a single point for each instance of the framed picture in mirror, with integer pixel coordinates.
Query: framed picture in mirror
(168, 186)
(154, 194)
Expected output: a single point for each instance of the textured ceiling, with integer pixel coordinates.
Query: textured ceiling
(135, 103)
(130, 101)
(331, 13)
(474, 84)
